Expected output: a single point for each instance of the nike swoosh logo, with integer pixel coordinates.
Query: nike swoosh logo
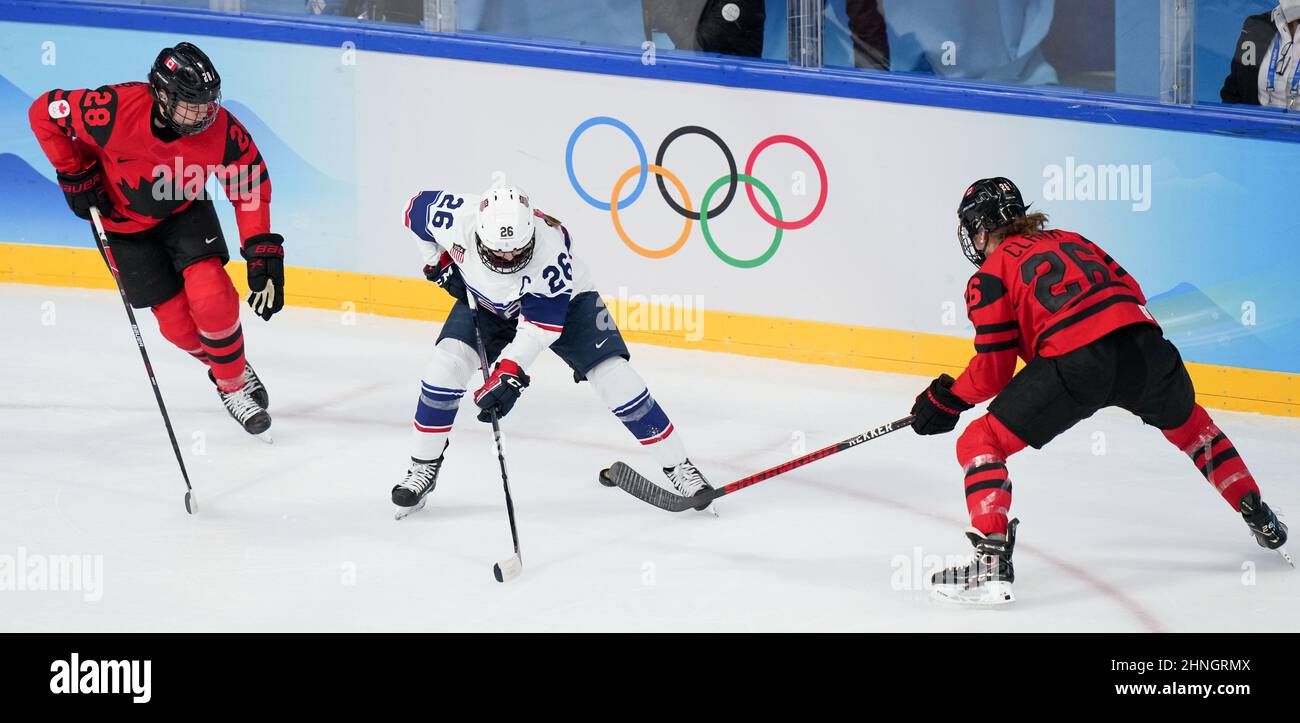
(602, 342)
(210, 240)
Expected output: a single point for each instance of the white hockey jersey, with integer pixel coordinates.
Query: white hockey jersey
(538, 294)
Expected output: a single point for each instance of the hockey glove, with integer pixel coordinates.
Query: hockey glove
(501, 390)
(937, 408)
(445, 274)
(265, 255)
(84, 189)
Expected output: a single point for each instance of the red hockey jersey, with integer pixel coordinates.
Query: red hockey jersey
(1042, 294)
(150, 178)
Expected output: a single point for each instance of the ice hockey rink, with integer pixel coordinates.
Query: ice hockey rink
(1118, 532)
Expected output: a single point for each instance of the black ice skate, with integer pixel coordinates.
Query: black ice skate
(243, 405)
(987, 578)
(1269, 531)
(253, 385)
(409, 494)
(689, 481)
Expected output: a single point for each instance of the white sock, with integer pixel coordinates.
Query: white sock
(442, 386)
(626, 395)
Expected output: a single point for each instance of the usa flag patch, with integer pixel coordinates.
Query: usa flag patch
(458, 253)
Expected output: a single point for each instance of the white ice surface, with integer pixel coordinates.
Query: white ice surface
(300, 535)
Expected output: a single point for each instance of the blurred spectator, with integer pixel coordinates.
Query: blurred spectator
(388, 11)
(1266, 62)
(730, 27)
(993, 40)
(870, 39)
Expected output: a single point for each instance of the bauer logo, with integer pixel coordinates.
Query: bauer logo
(75, 676)
(1075, 181)
(714, 200)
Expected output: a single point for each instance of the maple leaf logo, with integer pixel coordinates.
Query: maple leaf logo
(155, 196)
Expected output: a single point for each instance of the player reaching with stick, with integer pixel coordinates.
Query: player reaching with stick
(532, 295)
(142, 153)
(1079, 320)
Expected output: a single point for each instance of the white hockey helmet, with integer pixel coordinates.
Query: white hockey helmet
(504, 232)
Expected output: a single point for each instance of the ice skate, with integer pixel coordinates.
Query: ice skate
(410, 494)
(689, 481)
(245, 405)
(987, 578)
(1269, 531)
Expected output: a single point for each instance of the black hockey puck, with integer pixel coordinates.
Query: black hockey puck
(605, 479)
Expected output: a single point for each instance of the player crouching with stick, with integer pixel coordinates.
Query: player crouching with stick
(532, 294)
(1079, 320)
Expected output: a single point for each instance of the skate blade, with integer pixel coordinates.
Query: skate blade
(264, 437)
(1286, 556)
(710, 510)
(988, 594)
(404, 512)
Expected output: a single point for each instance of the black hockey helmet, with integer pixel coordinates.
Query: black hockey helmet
(988, 205)
(186, 88)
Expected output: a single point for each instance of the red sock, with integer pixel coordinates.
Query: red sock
(174, 322)
(214, 306)
(1214, 455)
(983, 450)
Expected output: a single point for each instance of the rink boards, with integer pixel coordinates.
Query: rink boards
(1238, 389)
(859, 268)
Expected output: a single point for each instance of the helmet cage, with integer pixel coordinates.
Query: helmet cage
(493, 260)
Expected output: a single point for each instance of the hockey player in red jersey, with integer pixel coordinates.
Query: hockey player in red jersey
(1079, 320)
(141, 153)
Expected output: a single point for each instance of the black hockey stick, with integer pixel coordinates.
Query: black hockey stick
(191, 504)
(635, 484)
(506, 569)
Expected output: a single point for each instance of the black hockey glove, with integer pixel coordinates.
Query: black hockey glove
(445, 274)
(84, 189)
(937, 408)
(501, 390)
(265, 256)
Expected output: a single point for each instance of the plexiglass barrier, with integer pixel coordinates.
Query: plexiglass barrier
(1184, 52)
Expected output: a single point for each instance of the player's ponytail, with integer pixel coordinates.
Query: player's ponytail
(1027, 224)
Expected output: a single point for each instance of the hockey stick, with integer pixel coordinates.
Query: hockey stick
(635, 484)
(191, 503)
(506, 569)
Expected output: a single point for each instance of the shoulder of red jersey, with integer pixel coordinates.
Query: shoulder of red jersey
(239, 145)
(116, 95)
(135, 87)
(984, 289)
(98, 110)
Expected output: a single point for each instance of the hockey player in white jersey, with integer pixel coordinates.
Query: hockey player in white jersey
(532, 295)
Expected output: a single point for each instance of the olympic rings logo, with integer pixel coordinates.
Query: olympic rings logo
(731, 180)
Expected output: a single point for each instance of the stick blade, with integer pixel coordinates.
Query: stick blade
(508, 569)
(191, 503)
(640, 487)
